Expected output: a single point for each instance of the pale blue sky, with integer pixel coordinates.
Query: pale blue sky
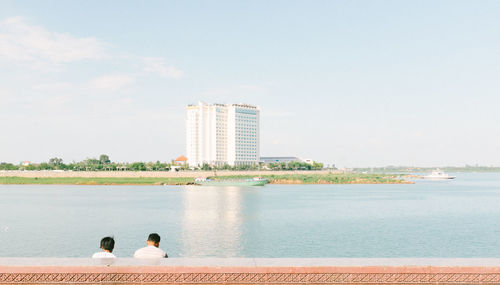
(355, 83)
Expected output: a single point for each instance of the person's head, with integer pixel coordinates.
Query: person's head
(107, 244)
(154, 239)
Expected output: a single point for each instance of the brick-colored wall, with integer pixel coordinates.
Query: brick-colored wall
(250, 271)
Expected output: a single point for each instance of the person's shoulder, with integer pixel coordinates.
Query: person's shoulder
(139, 251)
(103, 255)
(143, 249)
(149, 252)
(162, 252)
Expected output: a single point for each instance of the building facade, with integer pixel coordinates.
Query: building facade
(219, 134)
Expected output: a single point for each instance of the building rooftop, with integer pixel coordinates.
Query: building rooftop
(241, 105)
(181, 158)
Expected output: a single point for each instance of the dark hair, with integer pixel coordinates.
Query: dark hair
(108, 243)
(154, 237)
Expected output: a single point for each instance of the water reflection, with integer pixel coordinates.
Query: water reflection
(212, 221)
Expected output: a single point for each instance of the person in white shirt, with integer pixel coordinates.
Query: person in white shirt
(152, 250)
(107, 246)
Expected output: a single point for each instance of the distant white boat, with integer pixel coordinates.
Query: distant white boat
(438, 174)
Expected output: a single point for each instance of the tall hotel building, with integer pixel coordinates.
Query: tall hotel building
(219, 134)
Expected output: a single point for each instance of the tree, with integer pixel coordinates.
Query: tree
(31, 167)
(46, 166)
(8, 166)
(104, 159)
(317, 165)
(91, 164)
(138, 166)
(206, 166)
(55, 161)
(160, 166)
(150, 166)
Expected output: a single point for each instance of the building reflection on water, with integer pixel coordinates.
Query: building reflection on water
(212, 222)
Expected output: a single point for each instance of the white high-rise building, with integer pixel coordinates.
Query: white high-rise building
(219, 134)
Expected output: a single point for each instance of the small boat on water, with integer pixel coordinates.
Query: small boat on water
(231, 182)
(438, 174)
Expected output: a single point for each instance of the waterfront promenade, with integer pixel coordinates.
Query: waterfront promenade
(249, 271)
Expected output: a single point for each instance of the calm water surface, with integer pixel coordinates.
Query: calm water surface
(459, 218)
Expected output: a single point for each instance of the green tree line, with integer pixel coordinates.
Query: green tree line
(103, 163)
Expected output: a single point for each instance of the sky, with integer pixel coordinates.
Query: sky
(350, 83)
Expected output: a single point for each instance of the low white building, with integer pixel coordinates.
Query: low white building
(279, 159)
(218, 134)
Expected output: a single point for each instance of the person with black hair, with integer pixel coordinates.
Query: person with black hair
(107, 246)
(152, 249)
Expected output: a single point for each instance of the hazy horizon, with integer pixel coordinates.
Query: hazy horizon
(350, 83)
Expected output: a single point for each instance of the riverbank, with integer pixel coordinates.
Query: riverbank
(155, 174)
(293, 178)
(329, 178)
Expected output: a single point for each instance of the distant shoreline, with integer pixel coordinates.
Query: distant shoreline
(187, 178)
(155, 174)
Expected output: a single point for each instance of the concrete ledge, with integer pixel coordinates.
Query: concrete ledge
(249, 271)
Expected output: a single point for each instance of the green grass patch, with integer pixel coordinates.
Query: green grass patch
(332, 178)
(274, 179)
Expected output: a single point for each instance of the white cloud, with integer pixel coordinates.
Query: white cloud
(52, 87)
(34, 45)
(111, 82)
(158, 65)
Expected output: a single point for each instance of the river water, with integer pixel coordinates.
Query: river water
(459, 218)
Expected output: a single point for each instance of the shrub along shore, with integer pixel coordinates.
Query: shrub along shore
(313, 178)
